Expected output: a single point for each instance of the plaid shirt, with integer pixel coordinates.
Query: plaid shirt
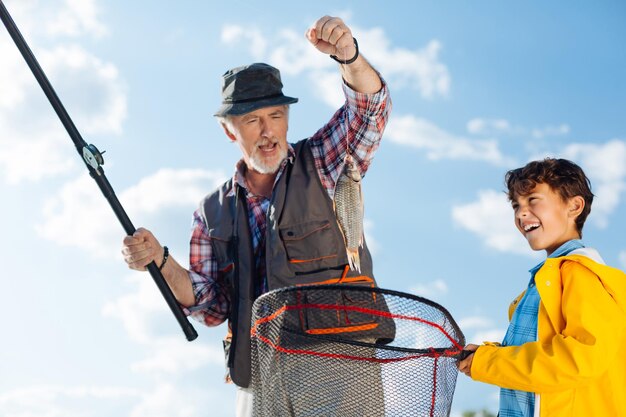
(522, 329)
(365, 117)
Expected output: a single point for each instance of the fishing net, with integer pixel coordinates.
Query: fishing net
(347, 350)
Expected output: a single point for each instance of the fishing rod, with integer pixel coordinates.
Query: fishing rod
(93, 160)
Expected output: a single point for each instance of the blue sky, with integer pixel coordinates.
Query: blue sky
(478, 88)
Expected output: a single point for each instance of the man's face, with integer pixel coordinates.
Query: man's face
(262, 137)
(545, 219)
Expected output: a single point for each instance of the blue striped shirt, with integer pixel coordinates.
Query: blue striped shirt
(523, 329)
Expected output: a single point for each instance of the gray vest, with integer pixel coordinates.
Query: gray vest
(304, 245)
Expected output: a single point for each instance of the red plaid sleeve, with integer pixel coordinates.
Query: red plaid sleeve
(362, 119)
(212, 300)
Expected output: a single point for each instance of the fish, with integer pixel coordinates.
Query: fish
(348, 204)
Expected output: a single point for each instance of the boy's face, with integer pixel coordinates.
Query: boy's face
(545, 219)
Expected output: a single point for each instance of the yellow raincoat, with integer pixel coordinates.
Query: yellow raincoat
(577, 366)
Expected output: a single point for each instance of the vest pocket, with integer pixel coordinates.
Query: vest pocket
(352, 315)
(310, 245)
(223, 252)
(344, 316)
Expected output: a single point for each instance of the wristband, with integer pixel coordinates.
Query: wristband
(351, 60)
(166, 255)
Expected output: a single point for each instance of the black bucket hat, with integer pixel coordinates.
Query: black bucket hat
(251, 87)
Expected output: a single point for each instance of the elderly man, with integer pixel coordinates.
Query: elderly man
(272, 224)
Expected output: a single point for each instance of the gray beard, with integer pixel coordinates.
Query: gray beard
(261, 167)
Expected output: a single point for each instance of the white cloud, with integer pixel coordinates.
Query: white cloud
(475, 322)
(481, 126)
(54, 18)
(80, 216)
(138, 310)
(174, 355)
(562, 129)
(372, 244)
(491, 219)
(166, 357)
(68, 218)
(605, 165)
(418, 69)
(57, 401)
(489, 335)
(23, 13)
(34, 158)
(439, 144)
(170, 188)
(141, 311)
(482, 330)
(233, 34)
(33, 143)
(430, 289)
(166, 401)
(294, 54)
(163, 399)
(77, 18)
(171, 400)
(14, 75)
(91, 89)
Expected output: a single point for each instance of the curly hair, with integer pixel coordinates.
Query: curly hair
(563, 176)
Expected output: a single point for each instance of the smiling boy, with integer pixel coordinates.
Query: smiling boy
(564, 353)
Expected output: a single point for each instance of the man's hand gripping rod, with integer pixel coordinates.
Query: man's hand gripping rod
(93, 160)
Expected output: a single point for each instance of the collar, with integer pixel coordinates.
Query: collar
(562, 250)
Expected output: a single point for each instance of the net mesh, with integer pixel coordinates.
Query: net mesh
(346, 350)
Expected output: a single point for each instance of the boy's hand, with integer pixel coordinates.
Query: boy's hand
(465, 366)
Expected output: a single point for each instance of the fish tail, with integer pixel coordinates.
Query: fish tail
(354, 259)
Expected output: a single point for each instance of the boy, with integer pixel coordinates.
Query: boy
(564, 353)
